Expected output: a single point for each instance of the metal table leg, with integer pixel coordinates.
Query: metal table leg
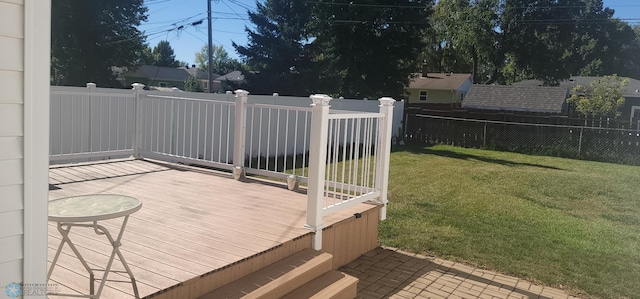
(65, 227)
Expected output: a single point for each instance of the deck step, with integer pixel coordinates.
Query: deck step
(331, 285)
(277, 279)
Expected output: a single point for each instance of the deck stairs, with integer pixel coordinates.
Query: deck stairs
(306, 274)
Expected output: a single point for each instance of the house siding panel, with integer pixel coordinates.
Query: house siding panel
(11, 47)
(11, 250)
(12, 172)
(11, 198)
(11, 24)
(11, 94)
(12, 30)
(7, 219)
(11, 272)
(11, 121)
(12, 148)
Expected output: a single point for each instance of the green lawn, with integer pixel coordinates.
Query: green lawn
(561, 222)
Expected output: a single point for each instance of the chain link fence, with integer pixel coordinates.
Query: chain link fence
(579, 142)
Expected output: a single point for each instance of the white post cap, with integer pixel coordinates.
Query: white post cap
(137, 86)
(320, 99)
(241, 92)
(386, 101)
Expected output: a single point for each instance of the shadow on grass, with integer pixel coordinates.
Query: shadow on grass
(417, 149)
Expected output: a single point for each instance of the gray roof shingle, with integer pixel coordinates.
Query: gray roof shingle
(633, 85)
(516, 98)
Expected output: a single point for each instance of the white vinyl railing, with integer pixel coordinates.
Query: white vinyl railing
(277, 140)
(351, 167)
(187, 130)
(342, 155)
(91, 123)
(349, 162)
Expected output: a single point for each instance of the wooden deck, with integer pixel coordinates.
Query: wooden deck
(193, 223)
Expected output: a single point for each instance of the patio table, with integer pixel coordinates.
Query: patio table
(85, 211)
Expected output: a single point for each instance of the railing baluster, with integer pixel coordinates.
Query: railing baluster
(253, 117)
(206, 126)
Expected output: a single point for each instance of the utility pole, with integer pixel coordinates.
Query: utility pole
(210, 48)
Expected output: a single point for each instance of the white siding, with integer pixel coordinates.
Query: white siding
(11, 137)
(24, 76)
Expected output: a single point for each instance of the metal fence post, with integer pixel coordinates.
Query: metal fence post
(317, 165)
(484, 136)
(580, 143)
(240, 128)
(383, 153)
(137, 137)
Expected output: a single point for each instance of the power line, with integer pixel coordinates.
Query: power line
(236, 13)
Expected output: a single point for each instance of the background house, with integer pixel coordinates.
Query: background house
(231, 80)
(529, 99)
(438, 88)
(630, 110)
(161, 76)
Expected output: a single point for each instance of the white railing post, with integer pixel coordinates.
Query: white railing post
(383, 153)
(137, 136)
(240, 128)
(92, 88)
(317, 165)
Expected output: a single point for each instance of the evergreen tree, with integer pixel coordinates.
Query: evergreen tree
(375, 45)
(164, 56)
(89, 38)
(275, 56)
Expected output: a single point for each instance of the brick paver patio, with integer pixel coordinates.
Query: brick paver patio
(391, 273)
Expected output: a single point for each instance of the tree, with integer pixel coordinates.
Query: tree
(552, 40)
(375, 44)
(163, 55)
(467, 27)
(146, 56)
(192, 84)
(602, 98)
(276, 55)
(222, 63)
(89, 38)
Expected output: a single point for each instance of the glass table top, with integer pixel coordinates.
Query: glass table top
(92, 207)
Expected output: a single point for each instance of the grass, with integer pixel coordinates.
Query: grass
(565, 223)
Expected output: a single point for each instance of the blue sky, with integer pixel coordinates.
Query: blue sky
(230, 18)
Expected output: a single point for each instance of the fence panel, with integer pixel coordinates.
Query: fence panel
(87, 125)
(602, 143)
(350, 177)
(188, 130)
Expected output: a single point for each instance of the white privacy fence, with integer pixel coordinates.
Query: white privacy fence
(342, 154)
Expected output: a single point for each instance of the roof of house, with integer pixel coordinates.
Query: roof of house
(516, 98)
(168, 73)
(438, 81)
(199, 73)
(633, 85)
(160, 73)
(232, 76)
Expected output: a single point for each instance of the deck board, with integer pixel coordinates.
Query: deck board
(192, 222)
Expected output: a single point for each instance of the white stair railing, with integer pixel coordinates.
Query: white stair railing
(348, 160)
